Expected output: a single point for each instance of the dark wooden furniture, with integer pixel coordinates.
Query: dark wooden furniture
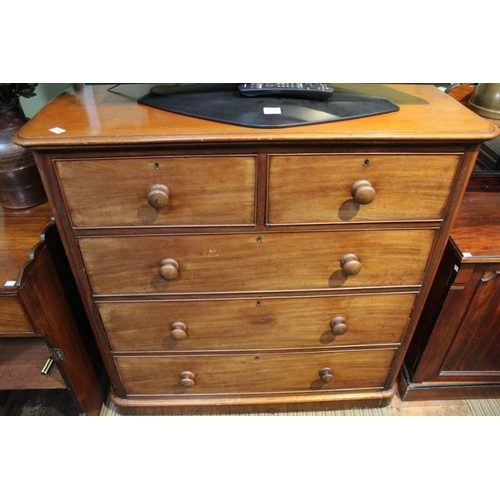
(227, 268)
(41, 344)
(455, 352)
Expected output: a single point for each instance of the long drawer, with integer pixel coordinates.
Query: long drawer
(324, 189)
(250, 262)
(12, 318)
(152, 191)
(263, 373)
(256, 324)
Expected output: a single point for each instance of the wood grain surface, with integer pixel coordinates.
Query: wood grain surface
(248, 374)
(249, 262)
(318, 188)
(205, 191)
(257, 324)
(94, 117)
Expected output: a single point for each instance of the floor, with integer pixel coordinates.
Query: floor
(469, 407)
(59, 403)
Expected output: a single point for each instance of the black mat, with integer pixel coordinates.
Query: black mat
(269, 112)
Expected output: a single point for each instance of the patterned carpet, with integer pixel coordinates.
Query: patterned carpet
(109, 410)
(60, 403)
(475, 407)
(484, 407)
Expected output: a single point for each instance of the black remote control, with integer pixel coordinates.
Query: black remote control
(319, 91)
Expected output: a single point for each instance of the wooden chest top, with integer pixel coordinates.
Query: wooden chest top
(96, 116)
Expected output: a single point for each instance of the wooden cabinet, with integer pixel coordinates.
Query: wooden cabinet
(226, 268)
(455, 352)
(42, 325)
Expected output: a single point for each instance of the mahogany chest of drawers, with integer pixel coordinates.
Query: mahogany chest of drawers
(227, 268)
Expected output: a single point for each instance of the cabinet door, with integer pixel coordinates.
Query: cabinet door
(475, 350)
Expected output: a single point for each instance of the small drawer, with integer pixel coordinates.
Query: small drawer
(159, 191)
(331, 189)
(12, 319)
(253, 262)
(21, 363)
(246, 374)
(256, 324)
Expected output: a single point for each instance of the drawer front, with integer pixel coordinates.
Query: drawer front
(189, 191)
(12, 318)
(324, 189)
(254, 374)
(256, 324)
(21, 362)
(249, 262)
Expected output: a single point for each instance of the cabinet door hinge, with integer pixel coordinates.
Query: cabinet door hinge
(57, 355)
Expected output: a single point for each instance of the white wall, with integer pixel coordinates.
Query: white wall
(45, 92)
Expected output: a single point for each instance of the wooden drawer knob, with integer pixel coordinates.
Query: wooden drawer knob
(338, 325)
(187, 379)
(350, 264)
(169, 269)
(178, 330)
(326, 375)
(158, 196)
(363, 193)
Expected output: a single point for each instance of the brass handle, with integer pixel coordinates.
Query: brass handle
(363, 193)
(187, 379)
(47, 366)
(338, 325)
(158, 196)
(169, 269)
(178, 330)
(326, 375)
(350, 264)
